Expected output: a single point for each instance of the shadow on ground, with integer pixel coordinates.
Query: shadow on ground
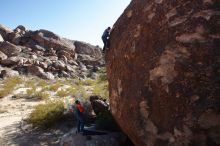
(18, 135)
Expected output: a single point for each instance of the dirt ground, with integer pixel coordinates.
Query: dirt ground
(14, 131)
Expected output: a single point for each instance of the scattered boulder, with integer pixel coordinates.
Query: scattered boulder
(48, 76)
(12, 61)
(60, 65)
(38, 71)
(1, 38)
(9, 49)
(21, 27)
(8, 73)
(4, 31)
(63, 53)
(2, 56)
(14, 38)
(87, 49)
(99, 105)
(163, 70)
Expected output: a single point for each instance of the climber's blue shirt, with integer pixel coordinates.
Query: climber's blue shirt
(105, 34)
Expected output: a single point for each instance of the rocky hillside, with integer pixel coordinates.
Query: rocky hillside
(163, 68)
(46, 55)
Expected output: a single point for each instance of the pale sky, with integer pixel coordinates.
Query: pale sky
(83, 20)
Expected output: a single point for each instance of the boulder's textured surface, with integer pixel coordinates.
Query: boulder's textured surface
(38, 71)
(163, 69)
(2, 56)
(9, 49)
(87, 49)
(8, 73)
(50, 40)
(4, 31)
(98, 104)
(12, 61)
(1, 38)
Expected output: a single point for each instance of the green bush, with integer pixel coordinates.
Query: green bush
(46, 115)
(105, 121)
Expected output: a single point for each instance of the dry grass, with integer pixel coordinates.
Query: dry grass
(9, 85)
(3, 111)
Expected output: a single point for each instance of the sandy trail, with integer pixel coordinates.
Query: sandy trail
(12, 130)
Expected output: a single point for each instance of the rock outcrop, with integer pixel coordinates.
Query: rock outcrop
(87, 49)
(9, 49)
(45, 54)
(4, 31)
(163, 69)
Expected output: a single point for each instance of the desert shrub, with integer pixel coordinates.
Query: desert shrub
(54, 87)
(62, 93)
(77, 91)
(105, 121)
(30, 92)
(102, 74)
(30, 82)
(42, 83)
(33, 93)
(46, 115)
(101, 89)
(71, 91)
(88, 82)
(41, 95)
(9, 84)
(3, 110)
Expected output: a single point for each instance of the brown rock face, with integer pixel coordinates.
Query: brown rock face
(4, 31)
(50, 40)
(9, 49)
(163, 69)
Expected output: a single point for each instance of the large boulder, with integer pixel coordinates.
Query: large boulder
(4, 31)
(9, 49)
(48, 40)
(98, 104)
(87, 49)
(14, 38)
(88, 60)
(163, 70)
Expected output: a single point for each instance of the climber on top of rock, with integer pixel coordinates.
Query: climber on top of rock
(105, 38)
